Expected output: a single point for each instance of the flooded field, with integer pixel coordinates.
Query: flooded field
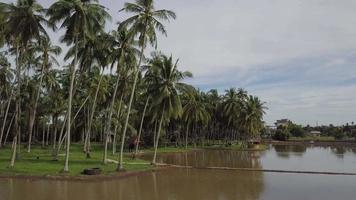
(195, 184)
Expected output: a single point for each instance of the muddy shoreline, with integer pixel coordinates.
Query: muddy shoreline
(91, 178)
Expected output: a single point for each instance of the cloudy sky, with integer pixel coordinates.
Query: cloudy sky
(299, 56)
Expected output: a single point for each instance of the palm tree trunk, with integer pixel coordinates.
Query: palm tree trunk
(157, 137)
(116, 126)
(141, 124)
(17, 109)
(114, 140)
(47, 135)
(9, 128)
(87, 150)
(60, 141)
(13, 156)
(107, 128)
(33, 116)
(120, 165)
(43, 135)
(186, 136)
(55, 135)
(66, 165)
(61, 136)
(5, 118)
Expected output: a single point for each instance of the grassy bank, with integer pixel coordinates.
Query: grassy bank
(170, 149)
(238, 147)
(40, 162)
(311, 138)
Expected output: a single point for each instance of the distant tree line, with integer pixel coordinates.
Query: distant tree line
(283, 133)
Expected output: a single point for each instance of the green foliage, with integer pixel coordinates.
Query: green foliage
(206, 116)
(338, 134)
(296, 130)
(281, 135)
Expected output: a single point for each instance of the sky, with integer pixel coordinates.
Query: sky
(299, 56)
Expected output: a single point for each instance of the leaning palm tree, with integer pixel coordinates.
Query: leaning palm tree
(92, 52)
(123, 54)
(47, 53)
(81, 19)
(143, 24)
(165, 86)
(23, 22)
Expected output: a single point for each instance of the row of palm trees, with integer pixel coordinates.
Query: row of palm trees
(110, 91)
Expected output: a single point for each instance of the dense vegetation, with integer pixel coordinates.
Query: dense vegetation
(110, 92)
(283, 133)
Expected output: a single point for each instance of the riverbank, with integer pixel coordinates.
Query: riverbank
(39, 163)
(238, 147)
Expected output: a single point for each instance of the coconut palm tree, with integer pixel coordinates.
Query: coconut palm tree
(194, 111)
(143, 23)
(47, 58)
(24, 21)
(165, 86)
(252, 120)
(231, 106)
(6, 90)
(123, 54)
(92, 52)
(81, 19)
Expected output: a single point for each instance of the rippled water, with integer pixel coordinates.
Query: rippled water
(196, 184)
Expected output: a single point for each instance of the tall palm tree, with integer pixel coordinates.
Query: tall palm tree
(194, 111)
(23, 22)
(123, 54)
(165, 86)
(81, 19)
(143, 23)
(231, 106)
(92, 52)
(252, 120)
(6, 90)
(47, 53)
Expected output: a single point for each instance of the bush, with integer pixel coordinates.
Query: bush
(339, 135)
(281, 135)
(297, 131)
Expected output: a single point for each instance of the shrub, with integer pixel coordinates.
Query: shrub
(281, 135)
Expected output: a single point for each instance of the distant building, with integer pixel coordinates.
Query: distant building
(315, 133)
(282, 122)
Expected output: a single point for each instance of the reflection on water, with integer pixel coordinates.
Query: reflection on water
(285, 151)
(216, 158)
(282, 157)
(204, 184)
(180, 184)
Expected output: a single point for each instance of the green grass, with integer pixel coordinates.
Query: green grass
(40, 162)
(169, 149)
(309, 138)
(238, 147)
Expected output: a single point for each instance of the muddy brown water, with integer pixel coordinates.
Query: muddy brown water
(203, 184)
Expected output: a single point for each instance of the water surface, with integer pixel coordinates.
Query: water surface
(277, 157)
(203, 184)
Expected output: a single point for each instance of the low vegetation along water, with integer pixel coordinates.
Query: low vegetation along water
(195, 184)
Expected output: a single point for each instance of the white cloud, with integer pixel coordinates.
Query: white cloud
(298, 55)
